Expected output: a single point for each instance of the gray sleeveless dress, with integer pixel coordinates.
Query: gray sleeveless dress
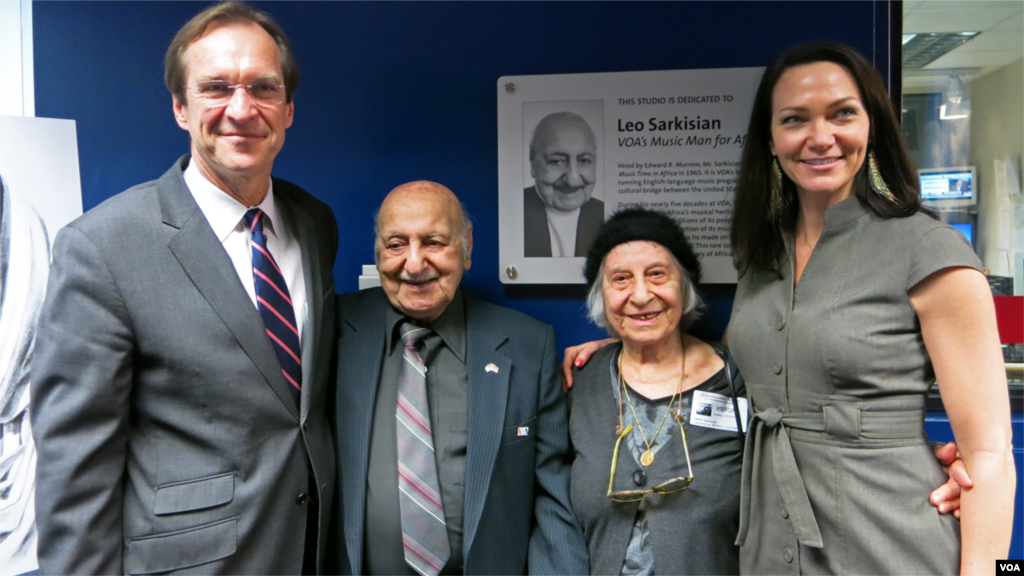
(837, 469)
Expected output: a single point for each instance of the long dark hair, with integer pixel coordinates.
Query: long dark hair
(756, 239)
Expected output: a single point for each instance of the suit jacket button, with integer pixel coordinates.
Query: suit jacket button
(787, 555)
(301, 499)
(777, 368)
(780, 324)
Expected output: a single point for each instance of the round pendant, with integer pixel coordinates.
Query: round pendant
(647, 458)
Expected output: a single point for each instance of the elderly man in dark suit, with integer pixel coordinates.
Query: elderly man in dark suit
(560, 215)
(451, 423)
(178, 390)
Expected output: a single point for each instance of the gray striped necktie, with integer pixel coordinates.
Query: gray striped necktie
(424, 534)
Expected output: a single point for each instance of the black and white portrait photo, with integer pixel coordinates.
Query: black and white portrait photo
(561, 214)
(40, 191)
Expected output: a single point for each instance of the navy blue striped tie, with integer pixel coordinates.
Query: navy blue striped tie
(275, 304)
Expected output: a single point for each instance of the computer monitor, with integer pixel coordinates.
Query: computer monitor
(947, 188)
(967, 230)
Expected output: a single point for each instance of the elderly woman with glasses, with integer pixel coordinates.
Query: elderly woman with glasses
(662, 407)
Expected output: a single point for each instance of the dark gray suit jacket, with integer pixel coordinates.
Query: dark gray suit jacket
(537, 237)
(517, 516)
(168, 439)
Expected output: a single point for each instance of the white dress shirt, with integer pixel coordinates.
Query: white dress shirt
(562, 227)
(226, 217)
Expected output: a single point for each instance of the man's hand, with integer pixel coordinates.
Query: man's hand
(578, 356)
(947, 497)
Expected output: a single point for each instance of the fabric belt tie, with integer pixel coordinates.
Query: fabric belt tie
(842, 422)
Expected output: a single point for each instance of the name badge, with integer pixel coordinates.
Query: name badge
(710, 410)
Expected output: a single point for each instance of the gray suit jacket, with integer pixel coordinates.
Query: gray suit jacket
(167, 436)
(517, 515)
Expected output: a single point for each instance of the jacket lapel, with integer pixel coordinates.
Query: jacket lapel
(488, 396)
(208, 266)
(360, 349)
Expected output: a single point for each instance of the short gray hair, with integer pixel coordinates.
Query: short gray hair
(693, 305)
(464, 227)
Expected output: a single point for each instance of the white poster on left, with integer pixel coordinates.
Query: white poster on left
(575, 148)
(40, 192)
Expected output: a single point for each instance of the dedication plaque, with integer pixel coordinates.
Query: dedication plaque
(573, 149)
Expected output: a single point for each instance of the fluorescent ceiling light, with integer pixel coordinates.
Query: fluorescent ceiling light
(919, 50)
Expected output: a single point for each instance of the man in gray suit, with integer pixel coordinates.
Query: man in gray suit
(481, 486)
(560, 215)
(178, 392)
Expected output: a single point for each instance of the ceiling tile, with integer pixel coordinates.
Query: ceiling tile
(994, 40)
(937, 83)
(1014, 23)
(956, 59)
(949, 18)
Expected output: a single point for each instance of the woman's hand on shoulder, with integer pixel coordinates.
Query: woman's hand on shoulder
(578, 356)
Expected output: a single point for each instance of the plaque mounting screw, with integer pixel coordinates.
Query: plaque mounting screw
(510, 88)
(512, 273)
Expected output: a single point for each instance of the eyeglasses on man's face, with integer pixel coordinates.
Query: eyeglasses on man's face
(215, 93)
(677, 484)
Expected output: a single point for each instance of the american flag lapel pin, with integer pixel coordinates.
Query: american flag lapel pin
(522, 431)
(492, 367)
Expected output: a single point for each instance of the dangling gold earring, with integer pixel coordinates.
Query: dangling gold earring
(775, 187)
(877, 184)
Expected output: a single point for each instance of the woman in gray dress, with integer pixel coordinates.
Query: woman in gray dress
(851, 302)
(655, 420)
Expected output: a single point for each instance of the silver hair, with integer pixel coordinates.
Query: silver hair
(464, 228)
(693, 305)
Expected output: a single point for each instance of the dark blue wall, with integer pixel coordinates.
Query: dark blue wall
(394, 91)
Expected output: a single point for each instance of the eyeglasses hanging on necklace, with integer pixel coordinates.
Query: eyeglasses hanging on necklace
(647, 458)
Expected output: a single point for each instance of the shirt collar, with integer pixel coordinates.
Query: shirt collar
(845, 212)
(451, 326)
(837, 216)
(223, 212)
